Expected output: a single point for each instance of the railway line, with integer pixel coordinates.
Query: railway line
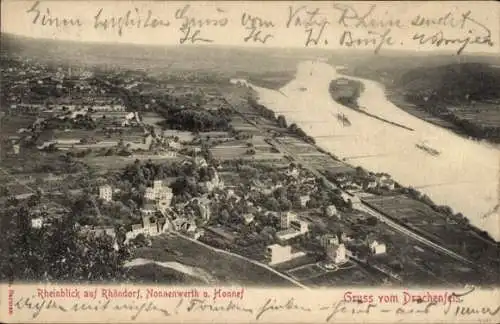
(362, 205)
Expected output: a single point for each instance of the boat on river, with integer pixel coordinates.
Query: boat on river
(343, 119)
(426, 148)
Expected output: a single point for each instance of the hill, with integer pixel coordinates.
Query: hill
(451, 84)
(269, 67)
(459, 93)
(465, 94)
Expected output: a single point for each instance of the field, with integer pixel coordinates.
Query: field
(483, 113)
(408, 210)
(299, 147)
(182, 135)
(412, 261)
(225, 268)
(305, 272)
(154, 273)
(15, 189)
(75, 134)
(10, 124)
(228, 152)
(399, 101)
(151, 118)
(235, 149)
(326, 163)
(429, 223)
(351, 275)
(240, 124)
(108, 163)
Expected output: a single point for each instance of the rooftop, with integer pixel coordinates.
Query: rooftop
(287, 234)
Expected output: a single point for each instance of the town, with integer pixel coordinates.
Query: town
(186, 171)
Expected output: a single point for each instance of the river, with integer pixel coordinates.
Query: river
(465, 175)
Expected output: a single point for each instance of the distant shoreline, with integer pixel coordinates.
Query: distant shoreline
(291, 111)
(473, 228)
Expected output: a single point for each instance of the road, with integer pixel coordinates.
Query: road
(367, 209)
(362, 206)
(262, 265)
(406, 231)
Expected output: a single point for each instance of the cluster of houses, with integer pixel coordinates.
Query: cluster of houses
(150, 226)
(41, 213)
(214, 183)
(157, 197)
(25, 108)
(240, 82)
(156, 214)
(157, 217)
(290, 227)
(153, 212)
(100, 231)
(334, 245)
(113, 116)
(372, 181)
(336, 251)
(34, 108)
(303, 184)
(140, 142)
(166, 146)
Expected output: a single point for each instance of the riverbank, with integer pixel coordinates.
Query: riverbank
(463, 176)
(347, 94)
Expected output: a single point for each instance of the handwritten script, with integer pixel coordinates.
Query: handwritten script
(136, 308)
(374, 27)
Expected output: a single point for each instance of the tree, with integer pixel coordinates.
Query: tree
(282, 121)
(312, 203)
(372, 221)
(140, 240)
(56, 252)
(285, 204)
(272, 204)
(316, 230)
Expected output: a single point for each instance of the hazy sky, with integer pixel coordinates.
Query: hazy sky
(89, 19)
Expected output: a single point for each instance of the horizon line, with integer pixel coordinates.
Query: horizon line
(365, 52)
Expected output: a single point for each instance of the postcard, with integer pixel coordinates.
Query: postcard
(249, 162)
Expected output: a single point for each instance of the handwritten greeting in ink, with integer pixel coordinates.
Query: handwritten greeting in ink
(340, 25)
(139, 303)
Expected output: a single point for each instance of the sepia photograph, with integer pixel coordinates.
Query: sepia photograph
(155, 147)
